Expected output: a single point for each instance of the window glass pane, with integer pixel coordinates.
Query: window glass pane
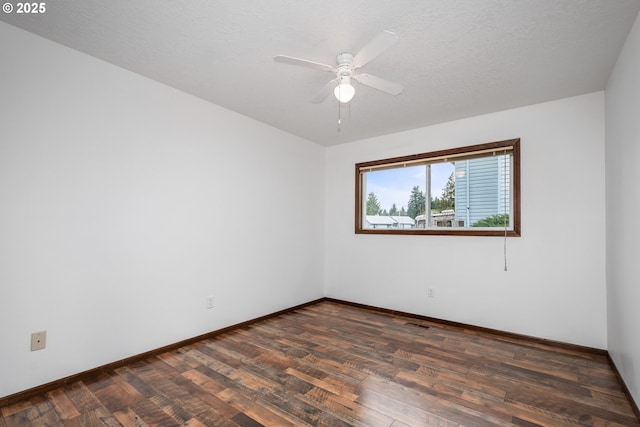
(442, 206)
(394, 197)
(472, 192)
(483, 192)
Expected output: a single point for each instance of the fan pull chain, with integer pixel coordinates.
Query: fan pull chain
(339, 113)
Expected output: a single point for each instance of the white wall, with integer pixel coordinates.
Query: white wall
(623, 203)
(555, 285)
(124, 202)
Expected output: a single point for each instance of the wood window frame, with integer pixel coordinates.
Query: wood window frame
(445, 155)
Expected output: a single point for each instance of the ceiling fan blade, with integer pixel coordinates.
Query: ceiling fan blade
(375, 47)
(324, 92)
(303, 63)
(383, 85)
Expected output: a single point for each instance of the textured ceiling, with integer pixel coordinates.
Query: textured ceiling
(455, 58)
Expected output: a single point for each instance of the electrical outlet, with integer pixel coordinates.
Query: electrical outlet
(431, 293)
(210, 301)
(38, 340)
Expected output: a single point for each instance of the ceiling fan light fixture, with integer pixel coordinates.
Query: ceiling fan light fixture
(344, 91)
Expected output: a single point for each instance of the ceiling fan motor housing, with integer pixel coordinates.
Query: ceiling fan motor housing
(345, 66)
(344, 58)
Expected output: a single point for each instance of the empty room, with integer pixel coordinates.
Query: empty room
(279, 213)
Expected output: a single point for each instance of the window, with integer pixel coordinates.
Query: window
(470, 191)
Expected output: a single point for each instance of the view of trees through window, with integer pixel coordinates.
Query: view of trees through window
(471, 191)
(391, 184)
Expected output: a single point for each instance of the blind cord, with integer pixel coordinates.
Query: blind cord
(504, 179)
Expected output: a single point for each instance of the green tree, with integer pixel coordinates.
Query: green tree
(499, 220)
(373, 206)
(393, 211)
(384, 212)
(403, 212)
(448, 200)
(436, 205)
(417, 203)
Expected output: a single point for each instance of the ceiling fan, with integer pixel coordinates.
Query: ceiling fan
(346, 67)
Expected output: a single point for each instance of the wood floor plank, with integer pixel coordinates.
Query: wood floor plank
(331, 364)
(17, 407)
(244, 420)
(129, 418)
(81, 397)
(178, 359)
(249, 408)
(407, 414)
(152, 414)
(206, 390)
(193, 422)
(537, 378)
(136, 382)
(173, 408)
(134, 394)
(351, 409)
(42, 414)
(576, 411)
(64, 407)
(412, 400)
(100, 417)
(114, 397)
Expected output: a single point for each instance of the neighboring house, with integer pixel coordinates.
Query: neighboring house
(404, 221)
(379, 221)
(446, 218)
(383, 221)
(487, 178)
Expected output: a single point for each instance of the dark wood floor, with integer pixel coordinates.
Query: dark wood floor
(333, 364)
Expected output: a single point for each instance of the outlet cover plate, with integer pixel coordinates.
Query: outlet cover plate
(38, 340)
